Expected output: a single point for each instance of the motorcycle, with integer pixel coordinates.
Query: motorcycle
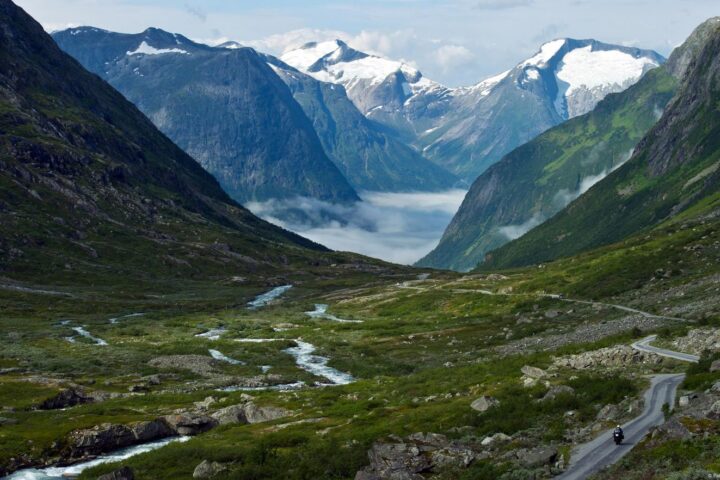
(618, 437)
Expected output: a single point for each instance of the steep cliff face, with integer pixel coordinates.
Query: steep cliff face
(675, 167)
(225, 107)
(91, 190)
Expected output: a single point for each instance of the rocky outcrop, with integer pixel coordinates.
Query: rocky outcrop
(484, 403)
(248, 413)
(207, 469)
(108, 437)
(610, 357)
(419, 453)
(698, 341)
(124, 473)
(64, 399)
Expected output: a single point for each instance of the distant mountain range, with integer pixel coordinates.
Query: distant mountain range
(468, 129)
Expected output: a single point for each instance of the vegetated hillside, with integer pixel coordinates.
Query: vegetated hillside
(674, 167)
(225, 107)
(535, 181)
(91, 192)
(363, 150)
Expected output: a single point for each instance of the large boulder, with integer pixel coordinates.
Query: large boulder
(484, 403)
(248, 413)
(207, 469)
(190, 423)
(152, 430)
(257, 414)
(124, 473)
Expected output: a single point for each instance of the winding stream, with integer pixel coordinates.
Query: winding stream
(321, 312)
(213, 334)
(130, 315)
(88, 335)
(63, 473)
(267, 297)
(217, 355)
(316, 364)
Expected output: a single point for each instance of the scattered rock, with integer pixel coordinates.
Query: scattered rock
(204, 405)
(714, 411)
(66, 398)
(698, 340)
(550, 314)
(557, 390)
(608, 413)
(484, 403)
(420, 453)
(684, 401)
(715, 366)
(610, 357)
(198, 364)
(494, 439)
(533, 372)
(248, 413)
(208, 469)
(124, 473)
(190, 424)
(537, 457)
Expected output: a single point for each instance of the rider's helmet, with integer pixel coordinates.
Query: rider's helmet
(618, 426)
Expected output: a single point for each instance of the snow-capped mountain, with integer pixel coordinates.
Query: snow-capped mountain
(467, 129)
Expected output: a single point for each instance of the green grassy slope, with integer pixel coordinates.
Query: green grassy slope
(673, 168)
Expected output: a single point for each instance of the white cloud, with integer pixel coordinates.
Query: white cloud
(511, 232)
(448, 57)
(397, 227)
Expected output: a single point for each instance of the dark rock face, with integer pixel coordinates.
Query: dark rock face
(537, 457)
(109, 437)
(66, 398)
(419, 453)
(226, 108)
(124, 473)
(84, 161)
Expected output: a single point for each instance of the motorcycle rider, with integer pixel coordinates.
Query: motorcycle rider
(618, 435)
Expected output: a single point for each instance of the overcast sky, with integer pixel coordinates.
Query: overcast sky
(457, 42)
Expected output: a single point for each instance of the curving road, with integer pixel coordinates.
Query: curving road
(591, 457)
(644, 346)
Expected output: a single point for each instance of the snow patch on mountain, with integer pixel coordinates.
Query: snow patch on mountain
(584, 67)
(546, 53)
(145, 49)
